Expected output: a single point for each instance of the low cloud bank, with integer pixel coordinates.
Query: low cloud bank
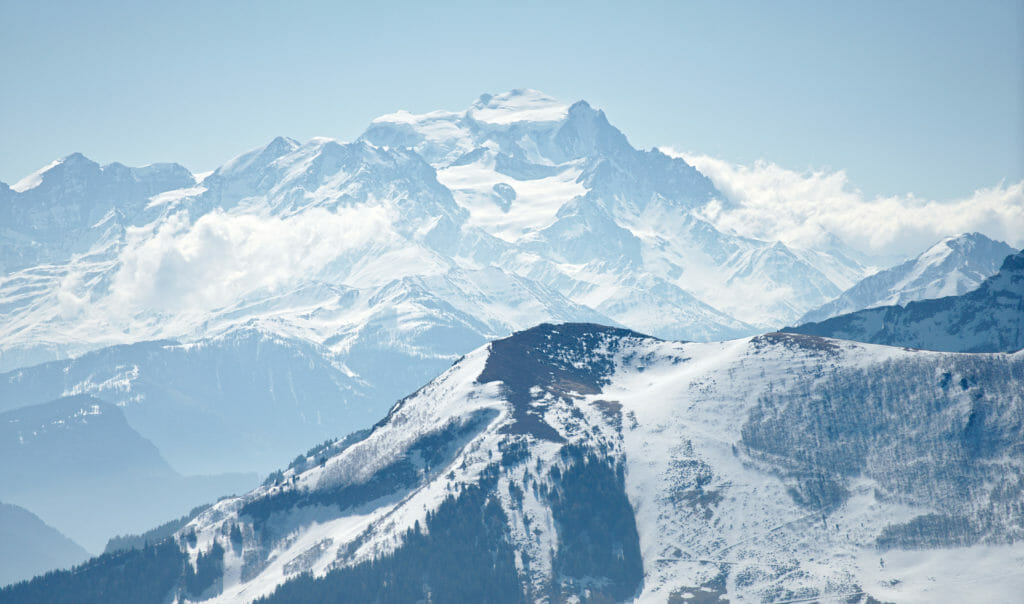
(221, 257)
(800, 208)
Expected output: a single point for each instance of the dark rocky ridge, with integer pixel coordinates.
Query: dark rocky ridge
(556, 360)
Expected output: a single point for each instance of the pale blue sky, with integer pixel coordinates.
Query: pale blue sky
(923, 97)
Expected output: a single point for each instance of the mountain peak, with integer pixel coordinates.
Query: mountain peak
(558, 358)
(956, 247)
(519, 105)
(260, 156)
(282, 144)
(77, 158)
(954, 265)
(566, 338)
(966, 240)
(985, 319)
(74, 162)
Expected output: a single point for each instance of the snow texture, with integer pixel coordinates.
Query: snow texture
(951, 267)
(725, 471)
(987, 319)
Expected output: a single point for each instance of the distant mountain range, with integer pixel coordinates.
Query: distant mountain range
(579, 461)
(297, 290)
(30, 547)
(241, 402)
(423, 226)
(953, 266)
(987, 319)
(77, 463)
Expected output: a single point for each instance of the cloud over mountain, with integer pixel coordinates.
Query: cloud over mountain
(222, 256)
(801, 208)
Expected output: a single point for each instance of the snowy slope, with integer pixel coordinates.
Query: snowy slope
(598, 463)
(951, 267)
(987, 319)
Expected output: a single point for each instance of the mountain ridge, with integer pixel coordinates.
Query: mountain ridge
(30, 547)
(76, 463)
(596, 463)
(953, 266)
(987, 319)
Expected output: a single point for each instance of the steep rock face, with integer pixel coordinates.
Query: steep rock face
(987, 319)
(952, 267)
(30, 547)
(581, 461)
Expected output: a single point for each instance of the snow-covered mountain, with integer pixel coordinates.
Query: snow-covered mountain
(987, 319)
(951, 267)
(518, 194)
(297, 290)
(78, 465)
(593, 212)
(578, 461)
(30, 547)
(74, 205)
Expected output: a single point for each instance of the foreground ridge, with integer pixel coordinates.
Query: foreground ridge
(581, 461)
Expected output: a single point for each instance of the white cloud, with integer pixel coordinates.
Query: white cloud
(799, 208)
(223, 256)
